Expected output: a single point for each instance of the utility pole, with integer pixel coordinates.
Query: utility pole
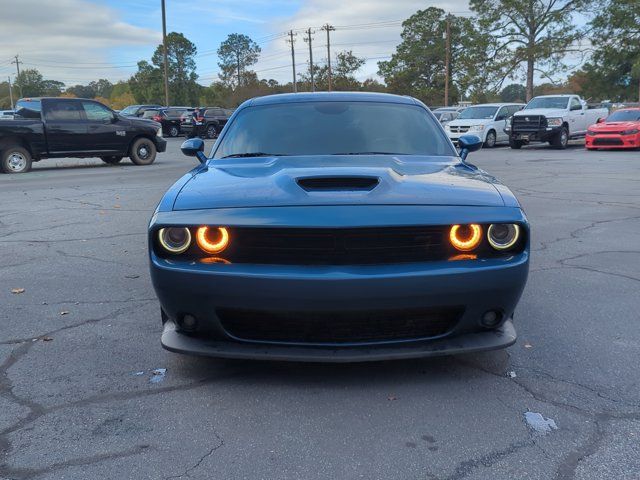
(18, 62)
(293, 60)
(328, 28)
(308, 40)
(447, 65)
(164, 54)
(10, 92)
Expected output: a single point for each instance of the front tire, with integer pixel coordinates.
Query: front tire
(111, 160)
(491, 139)
(515, 144)
(143, 152)
(174, 131)
(211, 132)
(561, 139)
(15, 160)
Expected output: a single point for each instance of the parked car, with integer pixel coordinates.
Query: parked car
(137, 110)
(74, 127)
(309, 235)
(444, 117)
(4, 114)
(552, 118)
(214, 119)
(169, 118)
(619, 130)
(488, 121)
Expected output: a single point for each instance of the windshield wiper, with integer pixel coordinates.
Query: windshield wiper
(370, 153)
(255, 154)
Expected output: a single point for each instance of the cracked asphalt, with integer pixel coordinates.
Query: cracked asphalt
(78, 348)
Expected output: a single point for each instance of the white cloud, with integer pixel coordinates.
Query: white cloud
(55, 36)
(365, 41)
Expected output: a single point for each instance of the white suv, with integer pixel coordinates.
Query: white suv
(487, 121)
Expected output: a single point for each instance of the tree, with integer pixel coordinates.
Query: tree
(513, 93)
(82, 91)
(33, 84)
(236, 53)
(534, 33)
(147, 84)
(618, 59)
(342, 73)
(418, 65)
(101, 88)
(183, 89)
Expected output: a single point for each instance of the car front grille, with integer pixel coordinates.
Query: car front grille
(329, 246)
(458, 129)
(338, 327)
(607, 141)
(528, 123)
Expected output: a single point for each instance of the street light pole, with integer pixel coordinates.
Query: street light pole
(164, 53)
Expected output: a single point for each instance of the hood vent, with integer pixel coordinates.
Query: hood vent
(331, 184)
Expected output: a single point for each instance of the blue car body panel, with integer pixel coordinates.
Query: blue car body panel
(265, 193)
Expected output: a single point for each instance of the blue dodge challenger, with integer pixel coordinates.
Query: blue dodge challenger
(337, 227)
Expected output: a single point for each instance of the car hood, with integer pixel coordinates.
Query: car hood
(337, 180)
(471, 121)
(614, 126)
(547, 112)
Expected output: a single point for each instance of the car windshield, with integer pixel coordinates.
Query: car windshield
(478, 113)
(547, 102)
(624, 116)
(437, 114)
(333, 128)
(130, 110)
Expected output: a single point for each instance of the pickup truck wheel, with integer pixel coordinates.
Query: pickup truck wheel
(561, 140)
(112, 160)
(15, 160)
(211, 132)
(515, 144)
(174, 131)
(490, 141)
(143, 152)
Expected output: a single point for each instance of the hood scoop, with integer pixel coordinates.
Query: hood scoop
(338, 183)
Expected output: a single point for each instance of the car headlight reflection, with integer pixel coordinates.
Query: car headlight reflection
(503, 236)
(465, 237)
(174, 239)
(212, 239)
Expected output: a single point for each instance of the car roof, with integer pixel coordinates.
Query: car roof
(626, 108)
(558, 95)
(331, 97)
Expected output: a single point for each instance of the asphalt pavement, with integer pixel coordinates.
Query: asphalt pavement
(86, 391)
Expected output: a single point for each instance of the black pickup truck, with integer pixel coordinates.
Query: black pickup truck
(74, 127)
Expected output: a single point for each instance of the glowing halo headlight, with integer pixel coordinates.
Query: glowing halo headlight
(503, 236)
(174, 239)
(212, 239)
(465, 237)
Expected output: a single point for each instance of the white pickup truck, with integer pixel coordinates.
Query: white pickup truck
(552, 118)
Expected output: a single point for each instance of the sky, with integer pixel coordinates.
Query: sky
(76, 41)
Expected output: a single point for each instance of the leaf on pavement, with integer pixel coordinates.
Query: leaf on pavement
(17, 290)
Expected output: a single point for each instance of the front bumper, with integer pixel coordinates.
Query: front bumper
(541, 135)
(161, 144)
(501, 337)
(475, 285)
(612, 141)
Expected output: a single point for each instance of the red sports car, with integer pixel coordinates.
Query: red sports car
(621, 129)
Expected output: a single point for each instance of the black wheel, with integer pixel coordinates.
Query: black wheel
(15, 160)
(561, 139)
(112, 160)
(173, 131)
(490, 141)
(143, 152)
(515, 144)
(212, 131)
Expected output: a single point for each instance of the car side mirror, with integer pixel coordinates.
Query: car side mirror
(468, 144)
(600, 120)
(194, 147)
